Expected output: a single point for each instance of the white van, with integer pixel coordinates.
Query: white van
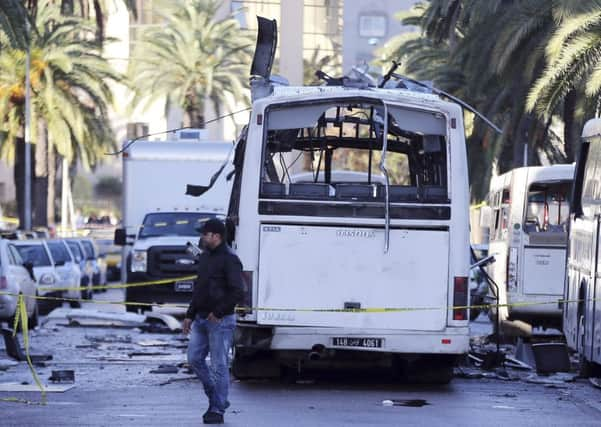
(528, 236)
(581, 312)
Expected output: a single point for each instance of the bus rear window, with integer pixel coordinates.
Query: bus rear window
(548, 207)
(332, 152)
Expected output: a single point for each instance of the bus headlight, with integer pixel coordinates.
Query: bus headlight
(139, 261)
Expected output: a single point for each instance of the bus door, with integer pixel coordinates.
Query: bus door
(545, 223)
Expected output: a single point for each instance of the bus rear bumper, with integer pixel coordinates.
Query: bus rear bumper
(449, 341)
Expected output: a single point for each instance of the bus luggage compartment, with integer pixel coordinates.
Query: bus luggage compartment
(307, 267)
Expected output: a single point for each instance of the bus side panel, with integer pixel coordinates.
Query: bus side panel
(543, 271)
(596, 284)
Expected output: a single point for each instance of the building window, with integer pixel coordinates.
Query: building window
(322, 38)
(146, 17)
(372, 26)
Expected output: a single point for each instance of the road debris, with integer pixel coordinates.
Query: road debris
(14, 350)
(60, 376)
(50, 388)
(413, 403)
(165, 369)
(153, 343)
(110, 338)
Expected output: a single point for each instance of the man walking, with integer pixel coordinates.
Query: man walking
(210, 318)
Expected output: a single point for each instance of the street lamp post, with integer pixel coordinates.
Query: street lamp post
(27, 190)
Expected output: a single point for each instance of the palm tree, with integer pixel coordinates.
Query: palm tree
(493, 73)
(86, 9)
(69, 89)
(13, 18)
(573, 67)
(329, 63)
(190, 59)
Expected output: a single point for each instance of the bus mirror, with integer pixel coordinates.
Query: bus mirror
(485, 216)
(120, 237)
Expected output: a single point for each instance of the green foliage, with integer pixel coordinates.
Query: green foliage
(108, 187)
(69, 87)
(510, 59)
(191, 58)
(13, 19)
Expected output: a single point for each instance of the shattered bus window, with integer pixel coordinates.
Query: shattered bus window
(333, 152)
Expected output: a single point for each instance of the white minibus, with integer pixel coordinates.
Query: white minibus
(528, 236)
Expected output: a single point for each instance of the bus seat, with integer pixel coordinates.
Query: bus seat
(531, 225)
(398, 192)
(309, 190)
(354, 191)
(272, 189)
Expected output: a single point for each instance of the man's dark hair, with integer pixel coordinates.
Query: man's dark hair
(213, 225)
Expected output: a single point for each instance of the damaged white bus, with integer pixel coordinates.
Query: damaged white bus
(529, 213)
(349, 212)
(582, 309)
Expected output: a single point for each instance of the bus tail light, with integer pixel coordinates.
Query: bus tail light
(460, 293)
(247, 281)
(3, 282)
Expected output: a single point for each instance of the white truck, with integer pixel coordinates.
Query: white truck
(161, 218)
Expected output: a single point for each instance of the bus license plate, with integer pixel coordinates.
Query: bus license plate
(184, 286)
(357, 342)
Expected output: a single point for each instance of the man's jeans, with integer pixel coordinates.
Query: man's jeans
(214, 338)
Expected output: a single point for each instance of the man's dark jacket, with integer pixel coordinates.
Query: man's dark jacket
(218, 287)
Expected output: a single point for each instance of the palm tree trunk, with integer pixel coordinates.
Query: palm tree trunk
(570, 133)
(194, 112)
(51, 184)
(19, 175)
(40, 183)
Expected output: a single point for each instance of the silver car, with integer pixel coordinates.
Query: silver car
(50, 282)
(15, 279)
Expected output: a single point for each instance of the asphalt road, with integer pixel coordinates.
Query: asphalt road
(114, 386)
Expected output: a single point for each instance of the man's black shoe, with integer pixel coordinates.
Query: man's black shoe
(212, 418)
(227, 404)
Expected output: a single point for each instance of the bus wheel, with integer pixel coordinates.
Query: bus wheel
(432, 370)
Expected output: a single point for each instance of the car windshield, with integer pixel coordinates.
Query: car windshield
(173, 224)
(35, 254)
(59, 252)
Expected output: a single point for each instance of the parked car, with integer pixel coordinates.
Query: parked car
(49, 282)
(79, 253)
(15, 279)
(98, 264)
(66, 266)
(111, 254)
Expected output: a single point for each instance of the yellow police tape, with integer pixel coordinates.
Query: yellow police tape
(22, 319)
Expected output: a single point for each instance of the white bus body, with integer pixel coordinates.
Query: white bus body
(313, 237)
(582, 310)
(528, 237)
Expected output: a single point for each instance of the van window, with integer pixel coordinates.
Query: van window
(332, 152)
(89, 248)
(59, 252)
(76, 250)
(591, 193)
(35, 254)
(548, 207)
(15, 258)
(500, 201)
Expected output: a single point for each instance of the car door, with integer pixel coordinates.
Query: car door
(20, 274)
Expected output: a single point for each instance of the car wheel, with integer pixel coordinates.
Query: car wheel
(34, 319)
(75, 304)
